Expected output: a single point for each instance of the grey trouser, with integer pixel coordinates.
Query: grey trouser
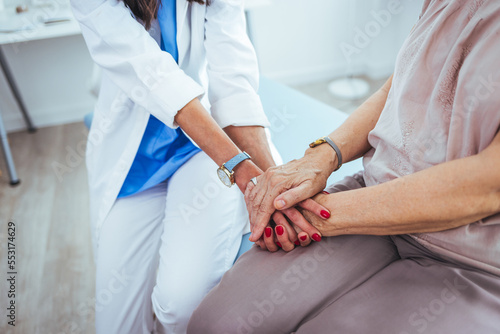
(351, 284)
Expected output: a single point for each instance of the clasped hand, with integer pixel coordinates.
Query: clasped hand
(275, 205)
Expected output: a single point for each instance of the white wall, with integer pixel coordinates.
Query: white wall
(300, 41)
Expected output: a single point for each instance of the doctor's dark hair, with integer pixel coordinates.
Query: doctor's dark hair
(147, 10)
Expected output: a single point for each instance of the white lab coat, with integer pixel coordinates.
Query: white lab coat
(139, 79)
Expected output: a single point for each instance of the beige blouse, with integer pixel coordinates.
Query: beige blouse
(444, 104)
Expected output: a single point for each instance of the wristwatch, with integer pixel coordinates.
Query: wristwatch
(226, 173)
(330, 142)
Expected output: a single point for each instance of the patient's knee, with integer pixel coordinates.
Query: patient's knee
(224, 318)
(207, 320)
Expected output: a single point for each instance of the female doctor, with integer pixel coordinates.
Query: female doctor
(165, 228)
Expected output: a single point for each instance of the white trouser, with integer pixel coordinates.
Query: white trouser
(164, 249)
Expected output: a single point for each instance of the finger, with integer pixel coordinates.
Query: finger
(260, 243)
(298, 219)
(316, 208)
(259, 218)
(293, 196)
(257, 231)
(259, 209)
(249, 189)
(282, 237)
(304, 239)
(282, 233)
(269, 239)
(248, 201)
(252, 201)
(280, 219)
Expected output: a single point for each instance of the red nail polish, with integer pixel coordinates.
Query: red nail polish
(279, 245)
(325, 214)
(297, 242)
(268, 232)
(303, 238)
(316, 237)
(280, 230)
(325, 192)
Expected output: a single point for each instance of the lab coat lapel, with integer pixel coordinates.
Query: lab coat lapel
(181, 6)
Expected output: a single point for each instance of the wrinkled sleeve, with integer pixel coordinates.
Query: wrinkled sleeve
(133, 60)
(232, 67)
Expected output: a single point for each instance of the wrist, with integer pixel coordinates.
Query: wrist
(244, 171)
(324, 157)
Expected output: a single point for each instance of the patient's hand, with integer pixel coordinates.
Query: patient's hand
(284, 234)
(290, 185)
(312, 218)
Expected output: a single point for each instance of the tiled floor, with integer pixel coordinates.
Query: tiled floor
(319, 91)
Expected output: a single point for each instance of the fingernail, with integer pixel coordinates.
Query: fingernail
(316, 237)
(325, 214)
(268, 232)
(303, 238)
(280, 230)
(325, 192)
(279, 245)
(280, 204)
(297, 242)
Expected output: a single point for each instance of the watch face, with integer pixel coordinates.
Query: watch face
(224, 177)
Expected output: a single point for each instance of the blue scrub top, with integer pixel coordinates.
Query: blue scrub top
(163, 150)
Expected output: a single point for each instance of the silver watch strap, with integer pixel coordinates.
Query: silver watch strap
(337, 150)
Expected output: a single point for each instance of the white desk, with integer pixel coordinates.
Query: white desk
(26, 27)
(29, 26)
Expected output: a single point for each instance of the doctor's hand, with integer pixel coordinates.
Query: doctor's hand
(244, 172)
(293, 184)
